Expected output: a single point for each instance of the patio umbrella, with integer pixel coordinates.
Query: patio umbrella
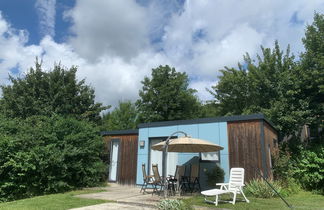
(182, 144)
(188, 144)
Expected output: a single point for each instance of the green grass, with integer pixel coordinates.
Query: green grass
(59, 201)
(302, 200)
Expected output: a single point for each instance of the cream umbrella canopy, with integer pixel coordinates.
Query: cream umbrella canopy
(188, 144)
(182, 144)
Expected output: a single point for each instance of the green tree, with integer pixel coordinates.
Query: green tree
(50, 92)
(41, 155)
(267, 85)
(311, 71)
(123, 117)
(166, 96)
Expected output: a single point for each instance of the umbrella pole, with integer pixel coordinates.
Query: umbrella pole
(164, 162)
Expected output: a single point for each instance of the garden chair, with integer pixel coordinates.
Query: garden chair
(194, 178)
(234, 187)
(158, 181)
(183, 180)
(147, 179)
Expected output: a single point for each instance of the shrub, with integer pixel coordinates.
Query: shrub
(309, 168)
(216, 175)
(260, 189)
(43, 155)
(284, 171)
(173, 204)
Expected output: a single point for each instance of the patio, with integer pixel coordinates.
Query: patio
(123, 196)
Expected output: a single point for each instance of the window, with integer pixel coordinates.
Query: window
(210, 156)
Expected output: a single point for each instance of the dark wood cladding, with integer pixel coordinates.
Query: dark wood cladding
(249, 146)
(271, 145)
(245, 146)
(127, 157)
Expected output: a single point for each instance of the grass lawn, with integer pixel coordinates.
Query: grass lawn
(53, 202)
(302, 200)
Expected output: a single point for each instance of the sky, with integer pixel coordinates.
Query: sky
(115, 44)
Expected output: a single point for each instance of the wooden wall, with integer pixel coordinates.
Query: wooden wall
(127, 157)
(271, 144)
(248, 146)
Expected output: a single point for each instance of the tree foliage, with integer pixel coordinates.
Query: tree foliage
(50, 92)
(123, 117)
(41, 155)
(290, 93)
(311, 71)
(166, 96)
(266, 85)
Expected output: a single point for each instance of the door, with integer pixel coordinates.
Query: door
(113, 167)
(157, 156)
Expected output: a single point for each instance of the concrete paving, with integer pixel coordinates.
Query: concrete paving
(125, 197)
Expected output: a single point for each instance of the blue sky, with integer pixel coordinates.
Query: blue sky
(116, 43)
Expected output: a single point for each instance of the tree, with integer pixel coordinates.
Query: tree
(123, 117)
(50, 92)
(42, 155)
(311, 71)
(166, 96)
(268, 85)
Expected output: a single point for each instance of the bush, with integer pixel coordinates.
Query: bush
(172, 204)
(260, 189)
(309, 168)
(284, 171)
(43, 155)
(216, 175)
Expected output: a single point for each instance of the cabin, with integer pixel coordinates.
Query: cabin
(248, 141)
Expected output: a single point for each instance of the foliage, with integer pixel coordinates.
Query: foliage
(172, 204)
(166, 96)
(289, 93)
(50, 92)
(260, 189)
(311, 71)
(41, 155)
(59, 201)
(216, 175)
(209, 109)
(283, 170)
(121, 118)
(309, 168)
(262, 86)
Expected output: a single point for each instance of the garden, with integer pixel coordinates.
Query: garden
(51, 147)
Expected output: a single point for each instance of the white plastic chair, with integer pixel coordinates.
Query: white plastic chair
(235, 186)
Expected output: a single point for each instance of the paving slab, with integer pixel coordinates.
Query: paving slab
(123, 196)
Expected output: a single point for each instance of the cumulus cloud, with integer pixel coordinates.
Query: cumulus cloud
(46, 13)
(112, 28)
(116, 43)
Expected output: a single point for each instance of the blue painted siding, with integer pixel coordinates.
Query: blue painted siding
(213, 132)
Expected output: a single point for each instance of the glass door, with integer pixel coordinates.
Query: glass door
(113, 167)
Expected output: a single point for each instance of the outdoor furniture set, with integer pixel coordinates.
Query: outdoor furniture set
(181, 183)
(178, 182)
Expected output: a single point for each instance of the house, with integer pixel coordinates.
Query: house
(248, 142)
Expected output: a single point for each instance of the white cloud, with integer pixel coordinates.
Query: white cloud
(116, 44)
(112, 28)
(46, 13)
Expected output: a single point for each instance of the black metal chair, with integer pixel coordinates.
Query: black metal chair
(194, 178)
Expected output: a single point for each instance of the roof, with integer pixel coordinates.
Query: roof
(119, 132)
(207, 120)
(235, 118)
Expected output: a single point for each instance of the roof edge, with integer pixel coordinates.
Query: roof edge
(258, 116)
(119, 132)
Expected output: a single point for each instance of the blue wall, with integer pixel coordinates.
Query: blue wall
(212, 132)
